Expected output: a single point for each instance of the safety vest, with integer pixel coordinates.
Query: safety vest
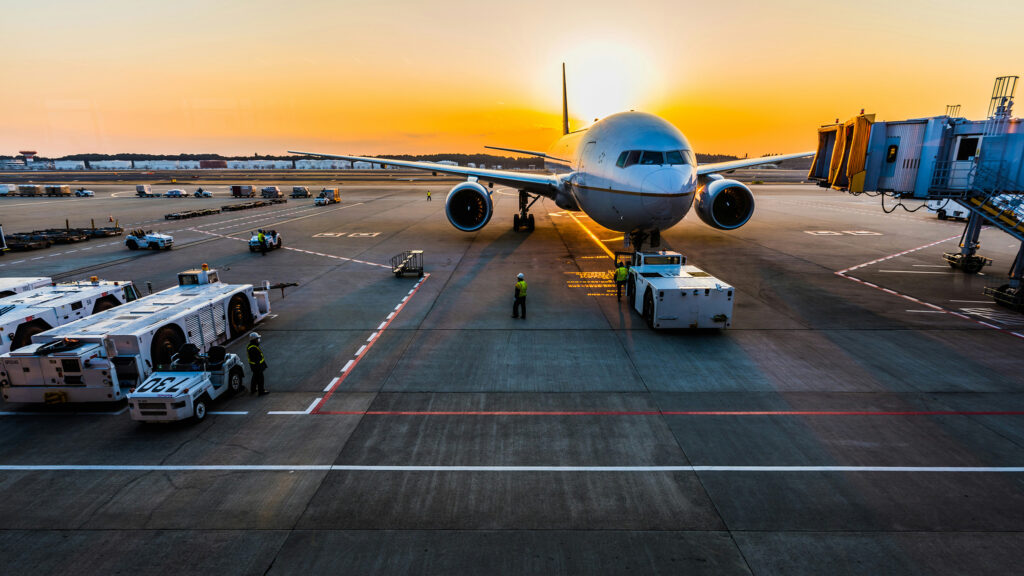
(261, 238)
(521, 288)
(250, 349)
(620, 274)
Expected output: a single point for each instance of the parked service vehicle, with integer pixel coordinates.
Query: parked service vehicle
(15, 285)
(328, 196)
(8, 190)
(947, 208)
(271, 192)
(83, 193)
(243, 191)
(24, 315)
(102, 357)
(30, 190)
(200, 193)
(670, 294)
(175, 193)
(300, 192)
(148, 239)
(144, 191)
(187, 386)
(273, 240)
(58, 190)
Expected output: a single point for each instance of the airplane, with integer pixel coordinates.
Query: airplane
(631, 172)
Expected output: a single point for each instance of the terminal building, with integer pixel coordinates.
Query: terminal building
(978, 164)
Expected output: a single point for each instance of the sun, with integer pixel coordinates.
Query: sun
(604, 78)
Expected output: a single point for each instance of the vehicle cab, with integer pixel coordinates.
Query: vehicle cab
(186, 388)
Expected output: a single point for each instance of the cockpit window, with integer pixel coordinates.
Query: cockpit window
(654, 157)
(651, 157)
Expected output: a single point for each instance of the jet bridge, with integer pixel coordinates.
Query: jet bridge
(979, 163)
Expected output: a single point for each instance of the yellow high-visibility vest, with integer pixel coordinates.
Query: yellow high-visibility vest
(620, 274)
(521, 288)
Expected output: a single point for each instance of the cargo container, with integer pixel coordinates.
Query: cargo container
(30, 190)
(271, 192)
(239, 191)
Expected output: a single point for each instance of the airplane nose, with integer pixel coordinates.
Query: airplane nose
(664, 181)
(661, 189)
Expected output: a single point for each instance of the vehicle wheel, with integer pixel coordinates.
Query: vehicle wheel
(239, 315)
(278, 245)
(631, 290)
(23, 335)
(941, 214)
(972, 265)
(166, 343)
(649, 309)
(515, 223)
(235, 380)
(200, 408)
(104, 304)
(132, 245)
(529, 223)
(252, 248)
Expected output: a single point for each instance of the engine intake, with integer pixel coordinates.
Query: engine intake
(468, 206)
(725, 204)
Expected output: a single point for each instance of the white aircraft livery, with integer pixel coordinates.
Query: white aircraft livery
(631, 172)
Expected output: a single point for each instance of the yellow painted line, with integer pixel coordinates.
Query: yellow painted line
(592, 237)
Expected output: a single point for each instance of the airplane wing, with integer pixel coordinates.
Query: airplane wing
(543, 184)
(747, 162)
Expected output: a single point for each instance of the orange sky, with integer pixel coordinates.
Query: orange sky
(397, 76)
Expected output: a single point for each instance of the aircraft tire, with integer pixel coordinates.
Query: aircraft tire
(530, 223)
(515, 223)
(649, 308)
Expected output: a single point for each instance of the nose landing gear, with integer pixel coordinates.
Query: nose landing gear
(636, 239)
(524, 220)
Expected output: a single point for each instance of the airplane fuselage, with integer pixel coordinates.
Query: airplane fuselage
(630, 171)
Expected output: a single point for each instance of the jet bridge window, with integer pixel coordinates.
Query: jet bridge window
(890, 153)
(968, 149)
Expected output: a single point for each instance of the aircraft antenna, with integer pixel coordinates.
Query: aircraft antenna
(565, 105)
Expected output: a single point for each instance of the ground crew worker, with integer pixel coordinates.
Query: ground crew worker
(520, 301)
(620, 279)
(428, 195)
(262, 238)
(258, 364)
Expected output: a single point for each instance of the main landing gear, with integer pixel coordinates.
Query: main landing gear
(636, 239)
(524, 220)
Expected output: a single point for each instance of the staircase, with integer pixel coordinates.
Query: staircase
(998, 200)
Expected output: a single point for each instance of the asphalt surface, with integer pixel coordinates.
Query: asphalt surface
(863, 415)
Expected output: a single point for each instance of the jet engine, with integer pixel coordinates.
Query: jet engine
(725, 204)
(469, 206)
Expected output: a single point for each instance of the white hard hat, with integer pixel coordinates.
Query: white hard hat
(520, 276)
(254, 336)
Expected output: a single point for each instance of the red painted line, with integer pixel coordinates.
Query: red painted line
(674, 413)
(367, 348)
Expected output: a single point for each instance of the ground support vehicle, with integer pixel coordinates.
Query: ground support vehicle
(243, 191)
(670, 294)
(8, 190)
(140, 238)
(176, 193)
(271, 192)
(30, 190)
(328, 196)
(62, 235)
(187, 387)
(3, 246)
(200, 193)
(191, 214)
(273, 240)
(102, 357)
(12, 286)
(24, 315)
(300, 192)
(83, 193)
(21, 242)
(144, 191)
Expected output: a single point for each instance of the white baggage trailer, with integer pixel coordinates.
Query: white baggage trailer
(24, 315)
(670, 294)
(101, 358)
(12, 286)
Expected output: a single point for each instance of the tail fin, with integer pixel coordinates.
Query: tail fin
(565, 105)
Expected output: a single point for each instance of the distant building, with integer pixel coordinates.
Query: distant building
(448, 163)
(156, 165)
(68, 165)
(110, 164)
(330, 164)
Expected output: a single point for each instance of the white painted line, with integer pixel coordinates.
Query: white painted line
(360, 351)
(404, 299)
(929, 266)
(398, 307)
(17, 262)
(927, 311)
(333, 382)
(285, 412)
(390, 316)
(372, 336)
(312, 405)
(411, 291)
(229, 412)
(382, 325)
(348, 365)
(914, 272)
(989, 302)
(599, 469)
(39, 257)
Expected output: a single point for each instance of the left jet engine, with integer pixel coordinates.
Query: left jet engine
(468, 206)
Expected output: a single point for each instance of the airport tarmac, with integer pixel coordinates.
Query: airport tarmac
(863, 415)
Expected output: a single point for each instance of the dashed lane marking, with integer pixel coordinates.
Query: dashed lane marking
(294, 412)
(576, 469)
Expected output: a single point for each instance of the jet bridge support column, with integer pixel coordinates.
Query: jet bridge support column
(1011, 294)
(967, 258)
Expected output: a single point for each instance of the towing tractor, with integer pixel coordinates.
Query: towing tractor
(327, 196)
(271, 237)
(670, 294)
(148, 239)
(187, 386)
(15, 285)
(24, 315)
(107, 354)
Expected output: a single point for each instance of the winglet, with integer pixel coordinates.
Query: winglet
(565, 105)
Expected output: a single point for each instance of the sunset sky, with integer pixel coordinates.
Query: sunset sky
(397, 76)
